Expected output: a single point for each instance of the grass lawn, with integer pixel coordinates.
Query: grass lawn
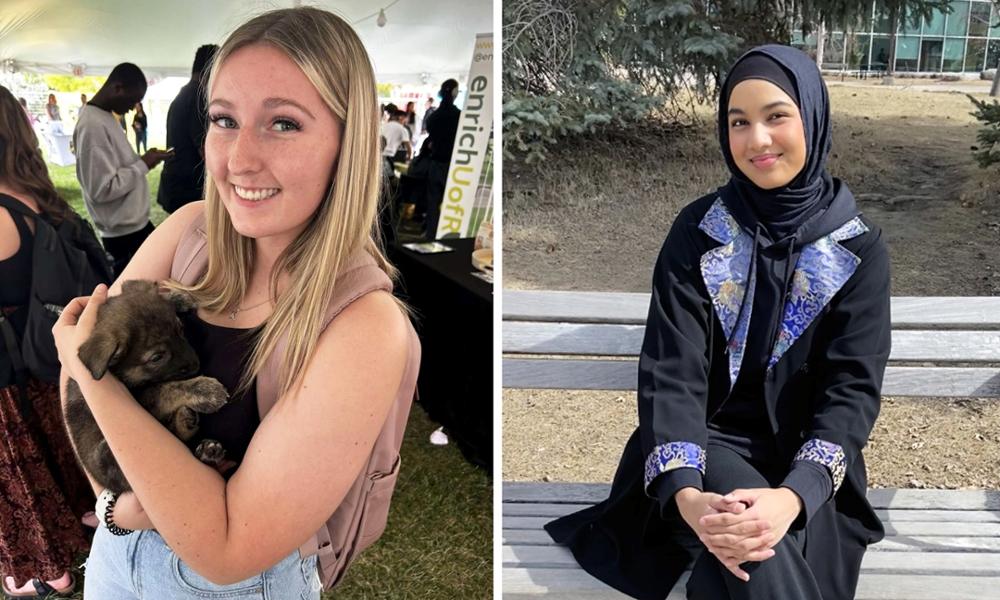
(439, 541)
(68, 187)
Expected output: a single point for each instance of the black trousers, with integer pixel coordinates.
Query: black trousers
(784, 576)
(124, 247)
(437, 180)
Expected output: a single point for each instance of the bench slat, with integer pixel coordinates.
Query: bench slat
(511, 509)
(973, 312)
(899, 563)
(905, 543)
(897, 529)
(523, 373)
(520, 337)
(574, 584)
(591, 493)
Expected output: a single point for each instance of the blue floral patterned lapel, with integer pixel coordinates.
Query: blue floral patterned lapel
(822, 269)
(726, 271)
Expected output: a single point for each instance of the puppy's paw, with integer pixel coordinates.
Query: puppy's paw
(184, 423)
(210, 452)
(207, 394)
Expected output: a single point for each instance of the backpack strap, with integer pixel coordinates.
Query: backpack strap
(360, 276)
(191, 254)
(16, 206)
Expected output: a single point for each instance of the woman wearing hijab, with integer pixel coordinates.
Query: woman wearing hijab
(760, 371)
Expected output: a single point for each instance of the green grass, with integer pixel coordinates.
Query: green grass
(439, 541)
(64, 178)
(440, 536)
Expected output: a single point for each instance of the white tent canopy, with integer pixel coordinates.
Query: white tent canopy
(422, 41)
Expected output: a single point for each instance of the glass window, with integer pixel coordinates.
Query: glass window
(936, 25)
(908, 27)
(833, 51)
(958, 20)
(995, 23)
(880, 52)
(907, 52)
(953, 51)
(930, 55)
(975, 55)
(881, 21)
(979, 20)
(857, 55)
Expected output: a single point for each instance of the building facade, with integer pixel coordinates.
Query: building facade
(966, 40)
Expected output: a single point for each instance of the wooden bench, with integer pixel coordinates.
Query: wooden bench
(940, 544)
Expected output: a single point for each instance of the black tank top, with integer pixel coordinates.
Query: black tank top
(15, 275)
(17, 268)
(223, 352)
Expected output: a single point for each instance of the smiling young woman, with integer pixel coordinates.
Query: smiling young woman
(760, 370)
(295, 315)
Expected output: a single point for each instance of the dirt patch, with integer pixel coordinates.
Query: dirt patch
(594, 216)
(916, 443)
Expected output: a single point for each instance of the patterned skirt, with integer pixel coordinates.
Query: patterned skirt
(43, 492)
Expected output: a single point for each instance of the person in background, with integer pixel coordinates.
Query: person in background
(43, 493)
(183, 177)
(55, 119)
(428, 111)
(442, 126)
(411, 120)
(397, 139)
(139, 126)
(83, 100)
(111, 175)
(27, 113)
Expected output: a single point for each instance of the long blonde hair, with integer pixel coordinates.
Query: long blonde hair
(333, 58)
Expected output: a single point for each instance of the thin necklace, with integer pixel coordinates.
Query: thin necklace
(232, 315)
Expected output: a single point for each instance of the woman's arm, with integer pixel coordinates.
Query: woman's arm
(857, 335)
(156, 255)
(303, 458)
(673, 368)
(152, 261)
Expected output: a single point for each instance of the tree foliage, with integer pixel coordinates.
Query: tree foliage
(574, 67)
(71, 83)
(988, 113)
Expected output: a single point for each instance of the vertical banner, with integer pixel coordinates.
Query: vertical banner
(468, 192)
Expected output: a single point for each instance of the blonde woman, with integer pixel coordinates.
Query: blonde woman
(292, 160)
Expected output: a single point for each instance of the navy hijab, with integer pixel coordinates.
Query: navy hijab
(792, 209)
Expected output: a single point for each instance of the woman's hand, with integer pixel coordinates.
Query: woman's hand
(740, 544)
(777, 506)
(73, 327)
(128, 513)
(751, 534)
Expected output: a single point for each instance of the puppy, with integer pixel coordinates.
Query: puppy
(139, 338)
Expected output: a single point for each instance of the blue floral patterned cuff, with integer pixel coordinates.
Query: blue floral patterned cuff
(829, 455)
(674, 455)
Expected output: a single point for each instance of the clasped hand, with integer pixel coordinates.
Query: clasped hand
(742, 526)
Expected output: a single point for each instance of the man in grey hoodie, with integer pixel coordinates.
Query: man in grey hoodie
(111, 174)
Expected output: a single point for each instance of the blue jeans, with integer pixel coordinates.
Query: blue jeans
(140, 566)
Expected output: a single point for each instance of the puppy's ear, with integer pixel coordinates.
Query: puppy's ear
(182, 301)
(100, 351)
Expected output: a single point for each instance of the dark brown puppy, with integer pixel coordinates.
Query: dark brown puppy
(139, 338)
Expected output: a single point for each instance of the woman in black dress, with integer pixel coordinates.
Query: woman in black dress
(760, 371)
